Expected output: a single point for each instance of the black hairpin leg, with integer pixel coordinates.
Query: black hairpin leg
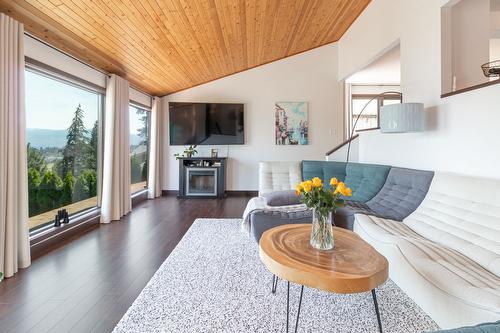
(275, 284)
(376, 310)
(288, 307)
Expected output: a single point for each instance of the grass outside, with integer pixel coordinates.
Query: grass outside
(73, 208)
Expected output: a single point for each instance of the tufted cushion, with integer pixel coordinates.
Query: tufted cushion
(445, 268)
(324, 170)
(402, 193)
(365, 180)
(462, 213)
(278, 176)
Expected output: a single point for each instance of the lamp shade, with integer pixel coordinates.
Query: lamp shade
(402, 118)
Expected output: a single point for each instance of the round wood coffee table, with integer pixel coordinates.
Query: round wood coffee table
(353, 266)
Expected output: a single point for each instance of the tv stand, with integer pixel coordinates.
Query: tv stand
(202, 177)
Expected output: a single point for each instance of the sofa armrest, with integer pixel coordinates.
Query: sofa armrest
(262, 220)
(281, 198)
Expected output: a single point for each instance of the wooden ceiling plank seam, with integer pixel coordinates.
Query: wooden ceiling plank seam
(208, 40)
(62, 32)
(126, 24)
(243, 32)
(222, 37)
(296, 25)
(225, 20)
(153, 8)
(303, 25)
(63, 13)
(328, 32)
(178, 40)
(202, 56)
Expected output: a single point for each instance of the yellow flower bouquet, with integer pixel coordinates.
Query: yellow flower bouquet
(323, 201)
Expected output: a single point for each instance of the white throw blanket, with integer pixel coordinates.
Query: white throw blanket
(260, 204)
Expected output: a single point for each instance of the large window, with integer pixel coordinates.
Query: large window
(370, 116)
(62, 131)
(139, 146)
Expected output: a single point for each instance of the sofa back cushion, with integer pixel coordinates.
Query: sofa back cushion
(402, 193)
(278, 176)
(365, 180)
(324, 170)
(462, 213)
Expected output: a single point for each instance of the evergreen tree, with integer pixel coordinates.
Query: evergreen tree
(135, 170)
(145, 170)
(74, 152)
(49, 191)
(142, 132)
(86, 185)
(36, 160)
(93, 148)
(67, 189)
(33, 184)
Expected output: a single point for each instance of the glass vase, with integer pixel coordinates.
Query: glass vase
(322, 231)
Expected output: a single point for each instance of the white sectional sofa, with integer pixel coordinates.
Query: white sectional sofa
(446, 254)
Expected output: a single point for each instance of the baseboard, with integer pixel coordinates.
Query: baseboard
(240, 193)
(232, 193)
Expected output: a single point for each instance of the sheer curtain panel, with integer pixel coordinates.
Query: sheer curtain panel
(116, 201)
(156, 149)
(14, 237)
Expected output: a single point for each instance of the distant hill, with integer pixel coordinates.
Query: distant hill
(43, 138)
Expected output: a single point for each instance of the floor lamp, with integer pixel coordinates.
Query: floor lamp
(363, 109)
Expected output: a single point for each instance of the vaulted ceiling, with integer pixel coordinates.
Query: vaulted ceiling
(163, 46)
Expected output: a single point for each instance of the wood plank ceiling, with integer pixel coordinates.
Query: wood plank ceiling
(163, 46)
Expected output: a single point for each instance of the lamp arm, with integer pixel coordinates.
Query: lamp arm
(363, 109)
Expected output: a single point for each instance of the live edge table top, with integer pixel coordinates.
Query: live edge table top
(352, 266)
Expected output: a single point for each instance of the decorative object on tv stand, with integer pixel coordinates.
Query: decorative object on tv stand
(291, 123)
(188, 152)
(491, 69)
(214, 152)
(402, 118)
(323, 201)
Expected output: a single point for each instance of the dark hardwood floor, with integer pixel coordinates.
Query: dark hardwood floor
(87, 283)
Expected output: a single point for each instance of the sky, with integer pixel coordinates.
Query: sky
(51, 104)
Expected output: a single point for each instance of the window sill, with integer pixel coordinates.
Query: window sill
(44, 237)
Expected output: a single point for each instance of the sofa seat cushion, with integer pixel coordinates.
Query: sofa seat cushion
(447, 269)
(402, 193)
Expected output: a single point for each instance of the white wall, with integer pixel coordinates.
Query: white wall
(310, 76)
(462, 131)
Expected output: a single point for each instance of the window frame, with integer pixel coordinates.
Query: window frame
(148, 145)
(50, 72)
(380, 102)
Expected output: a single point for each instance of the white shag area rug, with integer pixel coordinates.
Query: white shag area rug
(214, 281)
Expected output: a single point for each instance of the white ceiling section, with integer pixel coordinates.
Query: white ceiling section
(386, 70)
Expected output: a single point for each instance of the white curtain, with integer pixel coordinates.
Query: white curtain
(156, 149)
(14, 237)
(116, 201)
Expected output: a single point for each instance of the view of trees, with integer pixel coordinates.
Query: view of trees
(138, 151)
(67, 180)
(71, 175)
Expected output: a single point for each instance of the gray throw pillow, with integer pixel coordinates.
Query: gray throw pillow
(282, 198)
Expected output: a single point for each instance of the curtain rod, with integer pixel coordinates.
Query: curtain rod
(80, 61)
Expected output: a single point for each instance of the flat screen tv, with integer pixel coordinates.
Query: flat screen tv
(206, 124)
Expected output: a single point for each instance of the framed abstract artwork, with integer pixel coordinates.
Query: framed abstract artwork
(291, 126)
